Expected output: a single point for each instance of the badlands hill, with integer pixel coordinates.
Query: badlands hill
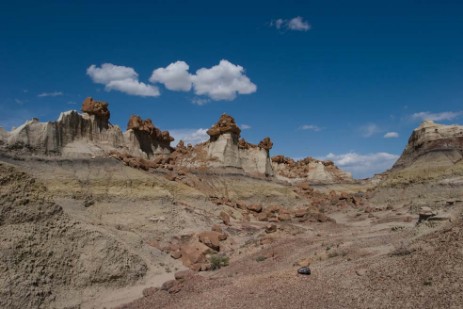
(95, 217)
(143, 145)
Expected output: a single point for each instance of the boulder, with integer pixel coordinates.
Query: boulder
(304, 271)
(266, 144)
(284, 217)
(194, 253)
(225, 218)
(210, 239)
(171, 286)
(97, 108)
(270, 228)
(426, 213)
(225, 124)
(150, 291)
(217, 228)
(255, 207)
(183, 275)
(176, 254)
(300, 213)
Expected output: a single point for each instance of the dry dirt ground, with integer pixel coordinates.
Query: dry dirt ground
(80, 234)
(353, 266)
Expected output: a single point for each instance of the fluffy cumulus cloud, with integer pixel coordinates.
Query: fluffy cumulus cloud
(363, 165)
(391, 135)
(310, 127)
(174, 77)
(50, 94)
(295, 24)
(121, 78)
(222, 82)
(189, 136)
(436, 116)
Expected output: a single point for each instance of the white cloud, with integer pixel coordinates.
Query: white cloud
(295, 24)
(121, 78)
(189, 136)
(222, 82)
(298, 24)
(310, 127)
(369, 130)
(245, 127)
(279, 23)
(50, 94)
(174, 77)
(200, 101)
(363, 165)
(436, 116)
(391, 135)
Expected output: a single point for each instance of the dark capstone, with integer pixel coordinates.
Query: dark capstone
(303, 271)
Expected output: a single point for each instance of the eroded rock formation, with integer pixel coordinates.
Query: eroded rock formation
(309, 169)
(144, 146)
(97, 108)
(228, 150)
(145, 139)
(432, 143)
(86, 135)
(266, 144)
(226, 124)
(223, 146)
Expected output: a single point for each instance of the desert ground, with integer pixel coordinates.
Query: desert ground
(91, 217)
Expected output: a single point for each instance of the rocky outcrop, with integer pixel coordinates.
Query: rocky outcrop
(223, 145)
(145, 139)
(144, 146)
(432, 144)
(73, 134)
(226, 124)
(88, 134)
(309, 169)
(255, 159)
(97, 108)
(226, 149)
(266, 144)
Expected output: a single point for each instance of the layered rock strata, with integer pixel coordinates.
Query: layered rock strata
(432, 140)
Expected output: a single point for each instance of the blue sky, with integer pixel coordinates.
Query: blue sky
(327, 79)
